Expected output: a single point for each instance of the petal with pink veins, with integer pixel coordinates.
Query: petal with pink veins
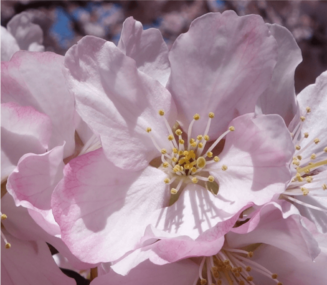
(279, 98)
(221, 65)
(37, 80)
(147, 48)
(98, 205)
(20, 224)
(314, 96)
(272, 228)
(32, 182)
(118, 102)
(23, 130)
(257, 155)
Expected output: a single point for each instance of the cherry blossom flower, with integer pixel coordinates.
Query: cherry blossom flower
(244, 256)
(21, 34)
(146, 160)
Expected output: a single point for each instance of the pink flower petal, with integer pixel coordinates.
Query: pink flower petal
(118, 102)
(147, 48)
(33, 181)
(20, 224)
(36, 79)
(287, 234)
(183, 272)
(29, 263)
(98, 206)
(221, 65)
(23, 130)
(257, 155)
(279, 98)
(314, 96)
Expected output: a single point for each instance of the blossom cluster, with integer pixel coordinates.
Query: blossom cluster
(142, 164)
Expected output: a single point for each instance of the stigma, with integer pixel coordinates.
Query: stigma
(187, 160)
(306, 166)
(232, 266)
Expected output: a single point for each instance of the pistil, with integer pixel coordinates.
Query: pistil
(184, 162)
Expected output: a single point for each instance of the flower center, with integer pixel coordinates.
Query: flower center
(185, 162)
(230, 266)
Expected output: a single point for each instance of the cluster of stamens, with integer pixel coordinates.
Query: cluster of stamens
(7, 244)
(230, 266)
(306, 167)
(185, 162)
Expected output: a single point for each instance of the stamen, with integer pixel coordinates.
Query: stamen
(7, 244)
(3, 217)
(231, 129)
(201, 162)
(224, 167)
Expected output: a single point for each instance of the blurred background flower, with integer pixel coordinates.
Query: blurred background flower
(65, 22)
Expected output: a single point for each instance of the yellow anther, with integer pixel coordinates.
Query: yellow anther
(249, 278)
(209, 154)
(306, 135)
(199, 137)
(181, 141)
(175, 150)
(325, 149)
(211, 115)
(148, 130)
(176, 168)
(274, 276)
(309, 179)
(231, 128)
(296, 162)
(181, 161)
(193, 169)
(316, 140)
(178, 132)
(165, 164)
(313, 156)
(302, 118)
(206, 138)
(224, 167)
(170, 137)
(187, 166)
(305, 191)
(173, 191)
(324, 186)
(250, 254)
(161, 112)
(8, 245)
(203, 282)
(201, 162)
(192, 141)
(174, 159)
(167, 180)
(3, 216)
(299, 157)
(195, 180)
(200, 145)
(196, 117)
(216, 159)
(163, 151)
(194, 144)
(279, 283)
(299, 177)
(308, 109)
(211, 178)
(248, 268)
(185, 152)
(180, 152)
(297, 147)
